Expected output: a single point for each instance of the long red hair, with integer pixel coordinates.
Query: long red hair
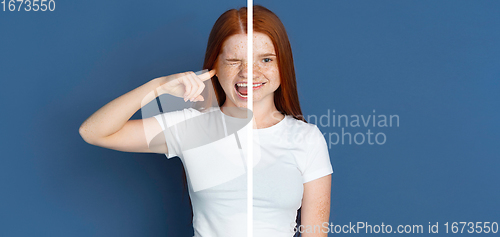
(234, 22)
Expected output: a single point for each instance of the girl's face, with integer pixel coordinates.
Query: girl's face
(232, 70)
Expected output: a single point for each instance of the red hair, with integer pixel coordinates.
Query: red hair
(234, 22)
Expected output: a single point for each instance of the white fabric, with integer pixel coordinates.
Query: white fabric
(286, 155)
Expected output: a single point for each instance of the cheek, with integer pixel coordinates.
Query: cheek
(226, 74)
(272, 73)
(229, 70)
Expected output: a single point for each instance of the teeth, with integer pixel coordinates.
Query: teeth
(245, 84)
(244, 96)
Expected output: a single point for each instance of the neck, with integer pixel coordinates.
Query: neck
(265, 113)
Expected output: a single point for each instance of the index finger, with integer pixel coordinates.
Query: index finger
(205, 74)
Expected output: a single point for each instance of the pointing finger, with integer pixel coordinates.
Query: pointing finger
(205, 74)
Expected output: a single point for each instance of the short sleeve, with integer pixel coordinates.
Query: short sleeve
(168, 120)
(318, 160)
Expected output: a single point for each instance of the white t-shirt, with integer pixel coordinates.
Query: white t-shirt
(212, 148)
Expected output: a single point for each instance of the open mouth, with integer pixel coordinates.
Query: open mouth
(242, 88)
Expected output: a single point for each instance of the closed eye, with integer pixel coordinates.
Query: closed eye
(233, 61)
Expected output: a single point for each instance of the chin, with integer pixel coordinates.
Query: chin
(242, 104)
(236, 102)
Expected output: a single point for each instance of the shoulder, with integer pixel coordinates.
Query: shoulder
(300, 127)
(300, 133)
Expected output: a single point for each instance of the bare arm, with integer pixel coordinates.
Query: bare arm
(110, 126)
(316, 206)
(114, 115)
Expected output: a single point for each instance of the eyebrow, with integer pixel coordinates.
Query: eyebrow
(267, 54)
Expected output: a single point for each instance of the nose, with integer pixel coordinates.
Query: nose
(244, 71)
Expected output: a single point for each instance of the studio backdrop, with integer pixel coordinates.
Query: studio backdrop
(406, 94)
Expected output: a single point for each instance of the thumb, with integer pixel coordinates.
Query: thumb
(199, 98)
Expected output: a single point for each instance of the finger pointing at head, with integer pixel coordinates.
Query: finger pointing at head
(205, 74)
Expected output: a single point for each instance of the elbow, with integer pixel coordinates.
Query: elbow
(85, 135)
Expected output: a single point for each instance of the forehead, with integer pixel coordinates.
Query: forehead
(236, 45)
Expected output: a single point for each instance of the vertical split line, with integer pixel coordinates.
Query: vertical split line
(250, 113)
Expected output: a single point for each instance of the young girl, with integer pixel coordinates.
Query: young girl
(291, 165)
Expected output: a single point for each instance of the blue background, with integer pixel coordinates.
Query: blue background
(435, 64)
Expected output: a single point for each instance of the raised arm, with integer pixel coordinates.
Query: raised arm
(111, 128)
